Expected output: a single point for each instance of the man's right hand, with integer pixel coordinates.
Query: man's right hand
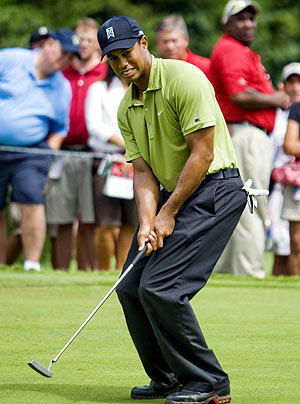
(146, 235)
(282, 100)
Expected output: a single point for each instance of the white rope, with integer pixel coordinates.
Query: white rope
(66, 153)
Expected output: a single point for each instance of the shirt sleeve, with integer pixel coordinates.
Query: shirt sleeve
(132, 149)
(2, 64)
(194, 101)
(295, 113)
(94, 113)
(235, 71)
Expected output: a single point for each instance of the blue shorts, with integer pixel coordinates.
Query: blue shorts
(27, 175)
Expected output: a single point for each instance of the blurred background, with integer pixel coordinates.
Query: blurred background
(277, 39)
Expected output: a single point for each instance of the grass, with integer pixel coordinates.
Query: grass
(252, 325)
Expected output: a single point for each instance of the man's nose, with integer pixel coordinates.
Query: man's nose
(122, 62)
(249, 23)
(170, 45)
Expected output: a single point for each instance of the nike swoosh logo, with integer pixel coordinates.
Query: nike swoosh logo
(160, 112)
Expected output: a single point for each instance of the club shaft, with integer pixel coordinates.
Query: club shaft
(135, 260)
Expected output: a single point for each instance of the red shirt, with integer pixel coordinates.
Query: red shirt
(199, 61)
(80, 83)
(235, 68)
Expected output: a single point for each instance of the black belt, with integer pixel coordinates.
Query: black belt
(223, 174)
(76, 147)
(248, 123)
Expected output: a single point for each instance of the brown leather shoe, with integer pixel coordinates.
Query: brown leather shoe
(197, 397)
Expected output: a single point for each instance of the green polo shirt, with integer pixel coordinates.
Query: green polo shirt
(178, 101)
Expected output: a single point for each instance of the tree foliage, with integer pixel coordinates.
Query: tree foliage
(277, 39)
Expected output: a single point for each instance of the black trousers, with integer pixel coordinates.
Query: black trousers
(156, 294)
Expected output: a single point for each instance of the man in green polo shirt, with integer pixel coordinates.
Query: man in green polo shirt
(189, 196)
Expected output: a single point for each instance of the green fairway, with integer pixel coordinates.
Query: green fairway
(253, 327)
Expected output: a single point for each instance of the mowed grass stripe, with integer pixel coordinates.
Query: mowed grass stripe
(253, 327)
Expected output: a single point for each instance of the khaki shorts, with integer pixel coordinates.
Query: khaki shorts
(71, 195)
(112, 212)
(290, 207)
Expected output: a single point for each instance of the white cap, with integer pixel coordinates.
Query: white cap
(288, 70)
(234, 7)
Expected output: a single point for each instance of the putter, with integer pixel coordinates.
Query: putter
(47, 372)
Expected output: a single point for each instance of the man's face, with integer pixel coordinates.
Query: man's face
(89, 43)
(131, 64)
(292, 87)
(172, 44)
(56, 57)
(242, 27)
(39, 44)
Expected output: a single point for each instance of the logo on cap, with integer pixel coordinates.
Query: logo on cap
(110, 32)
(75, 40)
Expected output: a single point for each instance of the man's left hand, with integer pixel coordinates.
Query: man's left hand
(163, 226)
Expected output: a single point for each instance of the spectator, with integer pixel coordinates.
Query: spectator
(35, 114)
(14, 242)
(176, 137)
(116, 216)
(70, 194)
(291, 205)
(249, 103)
(279, 226)
(172, 41)
(39, 36)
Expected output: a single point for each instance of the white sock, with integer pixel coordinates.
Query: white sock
(32, 265)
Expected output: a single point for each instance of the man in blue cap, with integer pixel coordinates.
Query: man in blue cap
(35, 100)
(189, 196)
(39, 36)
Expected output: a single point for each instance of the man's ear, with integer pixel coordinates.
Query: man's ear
(280, 86)
(187, 40)
(144, 42)
(49, 42)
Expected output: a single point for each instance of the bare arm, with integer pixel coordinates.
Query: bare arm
(146, 189)
(201, 145)
(118, 140)
(55, 140)
(253, 99)
(291, 140)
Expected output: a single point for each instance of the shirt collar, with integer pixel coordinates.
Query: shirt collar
(153, 84)
(154, 78)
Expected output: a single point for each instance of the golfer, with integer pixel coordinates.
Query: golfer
(190, 198)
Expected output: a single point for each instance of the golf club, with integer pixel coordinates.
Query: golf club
(47, 372)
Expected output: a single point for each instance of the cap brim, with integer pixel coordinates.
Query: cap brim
(70, 49)
(121, 44)
(289, 74)
(254, 6)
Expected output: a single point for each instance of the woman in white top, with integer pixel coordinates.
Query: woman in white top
(116, 218)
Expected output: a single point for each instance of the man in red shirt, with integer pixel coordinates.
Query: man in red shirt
(172, 41)
(70, 190)
(248, 102)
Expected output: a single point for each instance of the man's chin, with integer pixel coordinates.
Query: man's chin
(84, 57)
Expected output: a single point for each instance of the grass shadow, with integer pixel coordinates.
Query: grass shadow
(78, 393)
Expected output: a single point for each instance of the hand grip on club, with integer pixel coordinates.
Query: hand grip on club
(138, 256)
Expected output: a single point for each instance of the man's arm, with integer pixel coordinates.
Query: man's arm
(201, 145)
(146, 189)
(253, 99)
(55, 140)
(291, 141)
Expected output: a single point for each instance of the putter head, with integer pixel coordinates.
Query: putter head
(40, 369)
